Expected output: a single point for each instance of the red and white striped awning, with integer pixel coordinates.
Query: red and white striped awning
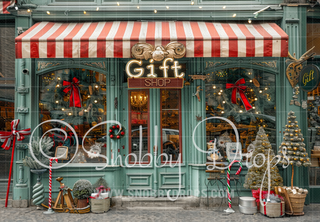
(4, 5)
(115, 39)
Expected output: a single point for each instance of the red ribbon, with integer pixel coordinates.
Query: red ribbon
(75, 100)
(238, 88)
(7, 137)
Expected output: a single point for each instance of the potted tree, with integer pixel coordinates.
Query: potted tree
(82, 190)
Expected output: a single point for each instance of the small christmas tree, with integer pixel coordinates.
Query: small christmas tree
(293, 149)
(255, 174)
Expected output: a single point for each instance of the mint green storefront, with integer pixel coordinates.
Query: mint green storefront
(115, 97)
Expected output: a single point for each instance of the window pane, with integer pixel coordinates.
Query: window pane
(55, 103)
(139, 116)
(259, 89)
(170, 123)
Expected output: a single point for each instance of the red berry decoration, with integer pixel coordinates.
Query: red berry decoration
(115, 132)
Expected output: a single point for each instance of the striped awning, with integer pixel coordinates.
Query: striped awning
(4, 5)
(115, 39)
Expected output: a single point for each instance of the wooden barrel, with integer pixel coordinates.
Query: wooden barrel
(297, 202)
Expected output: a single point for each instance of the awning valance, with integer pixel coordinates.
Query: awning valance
(4, 5)
(115, 39)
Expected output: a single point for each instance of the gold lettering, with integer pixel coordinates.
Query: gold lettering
(147, 82)
(164, 67)
(139, 70)
(151, 68)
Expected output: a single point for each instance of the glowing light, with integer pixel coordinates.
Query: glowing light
(200, 7)
(192, 2)
(58, 78)
(266, 88)
(84, 12)
(95, 101)
(234, 15)
(223, 102)
(167, 7)
(250, 80)
(96, 86)
(260, 91)
(118, 3)
(214, 87)
(240, 111)
(97, 9)
(249, 21)
(85, 110)
(138, 7)
(48, 12)
(70, 114)
(62, 109)
(221, 90)
(57, 101)
(224, 7)
(219, 93)
(253, 107)
(29, 10)
(257, 112)
(57, 85)
(155, 11)
(89, 96)
(222, 111)
(255, 99)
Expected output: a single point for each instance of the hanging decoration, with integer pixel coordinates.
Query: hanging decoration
(237, 87)
(295, 96)
(294, 68)
(256, 82)
(197, 93)
(6, 138)
(115, 132)
(230, 210)
(95, 150)
(73, 87)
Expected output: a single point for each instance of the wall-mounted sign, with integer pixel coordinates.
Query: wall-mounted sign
(309, 78)
(165, 74)
(173, 83)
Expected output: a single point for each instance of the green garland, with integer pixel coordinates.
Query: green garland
(115, 132)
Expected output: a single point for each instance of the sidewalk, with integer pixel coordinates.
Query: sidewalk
(312, 213)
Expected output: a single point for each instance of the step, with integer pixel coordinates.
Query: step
(155, 208)
(153, 202)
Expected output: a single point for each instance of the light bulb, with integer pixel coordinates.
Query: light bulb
(250, 80)
(234, 15)
(200, 7)
(62, 109)
(29, 10)
(255, 99)
(97, 9)
(96, 86)
(192, 2)
(219, 93)
(85, 110)
(249, 21)
(260, 91)
(118, 3)
(57, 85)
(48, 12)
(95, 101)
(224, 7)
(254, 107)
(240, 111)
(214, 87)
(222, 111)
(167, 7)
(84, 12)
(266, 88)
(257, 112)
(221, 90)
(155, 11)
(58, 78)
(223, 102)
(138, 7)
(89, 96)
(57, 101)
(70, 114)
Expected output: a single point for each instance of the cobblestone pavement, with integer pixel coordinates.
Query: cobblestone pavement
(312, 213)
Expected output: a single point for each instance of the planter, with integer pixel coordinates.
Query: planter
(100, 205)
(297, 203)
(82, 203)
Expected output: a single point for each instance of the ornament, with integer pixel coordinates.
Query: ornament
(118, 126)
(110, 130)
(95, 150)
(197, 93)
(118, 136)
(111, 136)
(122, 133)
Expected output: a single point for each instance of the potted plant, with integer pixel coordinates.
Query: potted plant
(82, 190)
(36, 168)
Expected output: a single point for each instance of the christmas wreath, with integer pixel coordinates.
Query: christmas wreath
(115, 132)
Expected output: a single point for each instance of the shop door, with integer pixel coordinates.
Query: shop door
(154, 117)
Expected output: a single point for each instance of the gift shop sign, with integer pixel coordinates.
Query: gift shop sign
(309, 78)
(137, 78)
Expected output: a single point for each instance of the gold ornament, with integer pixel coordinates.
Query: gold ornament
(295, 148)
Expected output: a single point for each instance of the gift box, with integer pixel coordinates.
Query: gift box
(270, 209)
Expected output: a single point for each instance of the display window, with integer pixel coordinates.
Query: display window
(77, 97)
(314, 133)
(245, 96)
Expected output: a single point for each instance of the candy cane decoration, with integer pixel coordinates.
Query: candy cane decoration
(50, 180)
(7, 138)
(229, 210)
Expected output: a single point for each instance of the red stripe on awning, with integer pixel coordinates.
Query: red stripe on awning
(74, 39)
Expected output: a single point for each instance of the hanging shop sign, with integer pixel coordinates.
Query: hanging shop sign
(160, 75)
(309, 77)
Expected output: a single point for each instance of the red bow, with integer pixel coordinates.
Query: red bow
(75, 100)
(7, 137)
(238, 88)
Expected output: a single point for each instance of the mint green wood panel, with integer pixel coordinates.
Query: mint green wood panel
(171, 180)
(294, 24)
